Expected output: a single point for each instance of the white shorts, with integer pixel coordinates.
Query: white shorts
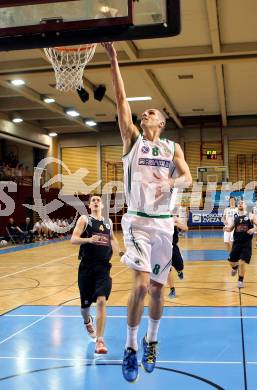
(228, 236)
(148, 244)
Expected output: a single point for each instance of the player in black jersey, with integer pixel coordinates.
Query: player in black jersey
(241, 252)
(95, 236)
(177, 259)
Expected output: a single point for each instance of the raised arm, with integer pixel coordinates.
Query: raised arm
(129, 132)
(184, 180)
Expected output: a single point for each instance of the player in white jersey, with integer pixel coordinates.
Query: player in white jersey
(228, 220)
(149, 166)
(254, 213)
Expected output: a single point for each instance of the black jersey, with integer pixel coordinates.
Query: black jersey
(100, 251)
(242, 224)
(175, 236)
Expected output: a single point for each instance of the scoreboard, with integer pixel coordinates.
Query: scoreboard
(211, 154)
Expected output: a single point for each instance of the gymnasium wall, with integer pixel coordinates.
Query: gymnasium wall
(241, 167)
(238, 139)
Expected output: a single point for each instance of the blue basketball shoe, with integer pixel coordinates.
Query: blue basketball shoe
(130, 365)
(149, 355)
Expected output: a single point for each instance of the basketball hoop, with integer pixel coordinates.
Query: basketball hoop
(69, 64)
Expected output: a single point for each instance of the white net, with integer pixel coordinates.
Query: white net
(69, 65)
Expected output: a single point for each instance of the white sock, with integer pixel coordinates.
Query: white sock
(132, 337)
(85, 313)
(153, 327)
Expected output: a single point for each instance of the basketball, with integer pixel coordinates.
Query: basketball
(3, 243)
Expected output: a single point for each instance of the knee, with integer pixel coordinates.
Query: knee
(155, 291)
(141, 291)
(101, 302)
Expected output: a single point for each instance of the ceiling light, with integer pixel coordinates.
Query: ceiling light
(52, 134)
(18, 82)
(72, 113)
(139, 98)
(90, 123)
(17, 120)
(48, 100)
(197, 109)
(99, 92)
(105, 9)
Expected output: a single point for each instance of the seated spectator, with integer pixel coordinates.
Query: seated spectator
(15, 231)
(39, 229)
(28, 230)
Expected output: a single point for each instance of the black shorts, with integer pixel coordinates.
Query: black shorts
(177, 260)
(241, 251)
(94, 281)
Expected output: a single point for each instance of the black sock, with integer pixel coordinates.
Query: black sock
(235, 267)
(240, 278)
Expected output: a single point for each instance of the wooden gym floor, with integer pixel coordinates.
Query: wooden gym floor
(47, 275)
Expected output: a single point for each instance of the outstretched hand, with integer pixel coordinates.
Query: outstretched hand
(110, 50)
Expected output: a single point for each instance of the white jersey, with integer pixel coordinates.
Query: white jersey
(254, 210)
(229, 215)
(143, 165)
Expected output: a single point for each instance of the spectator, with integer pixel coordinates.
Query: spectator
(14, 231)
(28, 230)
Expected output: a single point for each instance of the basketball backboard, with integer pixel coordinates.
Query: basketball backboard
(28, 24)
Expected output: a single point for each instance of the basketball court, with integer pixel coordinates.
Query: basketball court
(195, 61)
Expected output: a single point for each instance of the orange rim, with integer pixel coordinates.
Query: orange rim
(69, 50)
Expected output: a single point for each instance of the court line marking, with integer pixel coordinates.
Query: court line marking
(120, 272)
(29, 326)
(46, 315)
(37, 266)
(125, 316)
(115, 361)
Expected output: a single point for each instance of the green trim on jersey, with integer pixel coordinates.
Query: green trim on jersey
(141, 214)
(129, 179)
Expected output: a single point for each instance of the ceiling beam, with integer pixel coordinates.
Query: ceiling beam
(23, 131)
(131, 51)
(55, 123)
(18, 103)
(221, 93)
(160, 63)
(204, 54)
(33, 96)
(31, 115)
(213, 20)
(6, 92)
